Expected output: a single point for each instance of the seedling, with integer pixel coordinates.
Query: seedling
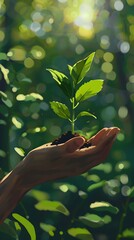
(75, 91)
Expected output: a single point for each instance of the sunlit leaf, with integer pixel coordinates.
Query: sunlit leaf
(96, 186)
(62, 81)
(104, 206)
(93, 177)
(64, 187)
(84, 114)
(88, 90)
(105, 167)
(10, 228)
(3, 95)
(17, 226)
(80, 69)
(128, 233)
(70, 69)
(5, 72)
(92, 220)
(7, 102)
(57, 76)
(29, 97)
(52, 206)
(38, 195)
(80, 233)
(26, 224)
(35, 96)
(60, 109)
(20, 151)
(48, 228)
(18, 123)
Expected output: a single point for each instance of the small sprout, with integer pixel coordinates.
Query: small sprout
(75, 91)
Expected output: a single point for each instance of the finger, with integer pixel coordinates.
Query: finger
(103, 133)
(97, 138)
(108, 137)
(73, 144)
(97, 159)
(113, 130)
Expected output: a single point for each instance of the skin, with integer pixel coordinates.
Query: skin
(51, 162)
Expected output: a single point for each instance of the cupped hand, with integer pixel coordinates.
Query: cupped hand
(51, 162)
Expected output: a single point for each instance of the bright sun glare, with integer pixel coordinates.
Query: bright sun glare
(85, 17)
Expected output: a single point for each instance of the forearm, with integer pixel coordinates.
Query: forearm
(11, 191)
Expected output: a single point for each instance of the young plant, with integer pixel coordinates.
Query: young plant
(74, 90)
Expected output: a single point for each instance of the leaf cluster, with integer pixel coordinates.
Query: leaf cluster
(75, 90)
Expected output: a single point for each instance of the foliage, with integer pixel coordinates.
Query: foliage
(36, 35)
(70, 88)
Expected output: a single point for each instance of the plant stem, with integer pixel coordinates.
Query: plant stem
(122, 220)
(73, 114)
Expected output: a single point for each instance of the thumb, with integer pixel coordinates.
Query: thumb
(73, 144)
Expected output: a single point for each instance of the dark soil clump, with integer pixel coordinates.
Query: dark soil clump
(66, 136)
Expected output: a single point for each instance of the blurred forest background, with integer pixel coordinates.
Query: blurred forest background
(40, 34)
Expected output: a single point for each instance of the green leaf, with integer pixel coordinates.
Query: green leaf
(62, 81)
(7, 102)
(29, 97)
(20, 151)
(48, 228)
(80, 69)
(38, 195)
(5, 72)
(80, 233)
(128, 233)
(107, 219)
(3, 95)
(84, 113)
(88, 90)
(70, 69)
(57, 76)
(26, 224)
(5, 99)
(54, 206)
(60, 109)
(104, 206)
(64, 187)
(9, 227)
(96, 186)
(92, 220)
(3, 56)
(18, 123)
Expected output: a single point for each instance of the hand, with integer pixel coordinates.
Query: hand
(51, 162)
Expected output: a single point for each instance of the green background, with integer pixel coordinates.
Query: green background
(35, 35)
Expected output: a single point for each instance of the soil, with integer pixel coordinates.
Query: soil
(68, 135)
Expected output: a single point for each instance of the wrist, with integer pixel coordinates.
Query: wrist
(11, 191)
